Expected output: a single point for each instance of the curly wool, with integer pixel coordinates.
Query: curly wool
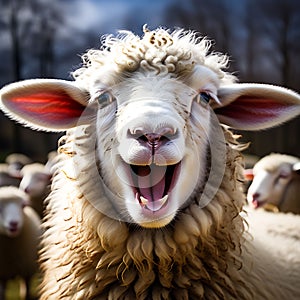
(97, 257)
(158, 51)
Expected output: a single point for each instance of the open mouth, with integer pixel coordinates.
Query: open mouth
(152, 184)
(13, 230)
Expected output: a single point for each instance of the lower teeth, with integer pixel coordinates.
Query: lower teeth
(153, 205)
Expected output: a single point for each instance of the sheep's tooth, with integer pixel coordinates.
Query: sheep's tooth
(163, 200)
(144, 201)
(158, 204)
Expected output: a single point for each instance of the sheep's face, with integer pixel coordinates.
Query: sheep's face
(11, 216)
(269, 184)
(140, 115)
(35, 184)
(154, 153)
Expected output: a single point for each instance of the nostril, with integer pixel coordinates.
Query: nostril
(156, 140)
(160, 134)
(255, 196)
(153, 138)
(13, 224)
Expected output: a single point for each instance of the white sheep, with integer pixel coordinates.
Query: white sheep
(36, 181)
(276, 183)
(20, 232)
(6, 178)
(147, 195)
(16, 161)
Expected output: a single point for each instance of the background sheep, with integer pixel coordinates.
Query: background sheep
(16, 161)
(147, 195)
(6, 178)
(276, 183)
(19, 237)
(36, 180)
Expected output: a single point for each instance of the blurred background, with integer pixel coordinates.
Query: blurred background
(41, 38)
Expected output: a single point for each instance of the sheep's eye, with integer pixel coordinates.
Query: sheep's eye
(104, 99)
(203, 98)
(281, 177)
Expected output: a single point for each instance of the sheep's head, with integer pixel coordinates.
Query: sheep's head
(12, 201)
(35, 179)
(152, 108)
(154, 145)
(271, 178)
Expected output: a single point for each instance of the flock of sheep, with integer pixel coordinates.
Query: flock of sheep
(147, 195)
(24, 185)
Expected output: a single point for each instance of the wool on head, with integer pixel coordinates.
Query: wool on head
(158, 52)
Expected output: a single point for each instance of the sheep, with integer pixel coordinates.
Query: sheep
(16, 161)
(20, 231)
(268, 231)
(147, 199)
(36, 180)
(6, 178)
(276, 183)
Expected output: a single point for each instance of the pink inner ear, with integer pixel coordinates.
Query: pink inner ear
(252, 109)
(248, 174)
(57, 107)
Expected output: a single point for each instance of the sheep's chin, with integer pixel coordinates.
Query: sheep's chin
(158, 223)
(12, 232)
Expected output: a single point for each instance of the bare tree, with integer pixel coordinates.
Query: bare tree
(280, 16)
(31, 26)
(13, 28)
(273, 52)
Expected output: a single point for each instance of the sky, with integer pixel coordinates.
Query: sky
(112, 15)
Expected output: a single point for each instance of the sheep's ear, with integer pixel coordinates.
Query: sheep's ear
(250, 106)
(248, 174)
(44, 104)
(296, 168)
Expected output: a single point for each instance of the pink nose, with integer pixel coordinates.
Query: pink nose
(255, 196)
(13, 223)
(13, 226)
(154, 139)
(255, 201)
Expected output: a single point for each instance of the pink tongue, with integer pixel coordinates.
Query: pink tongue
(151, 182)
